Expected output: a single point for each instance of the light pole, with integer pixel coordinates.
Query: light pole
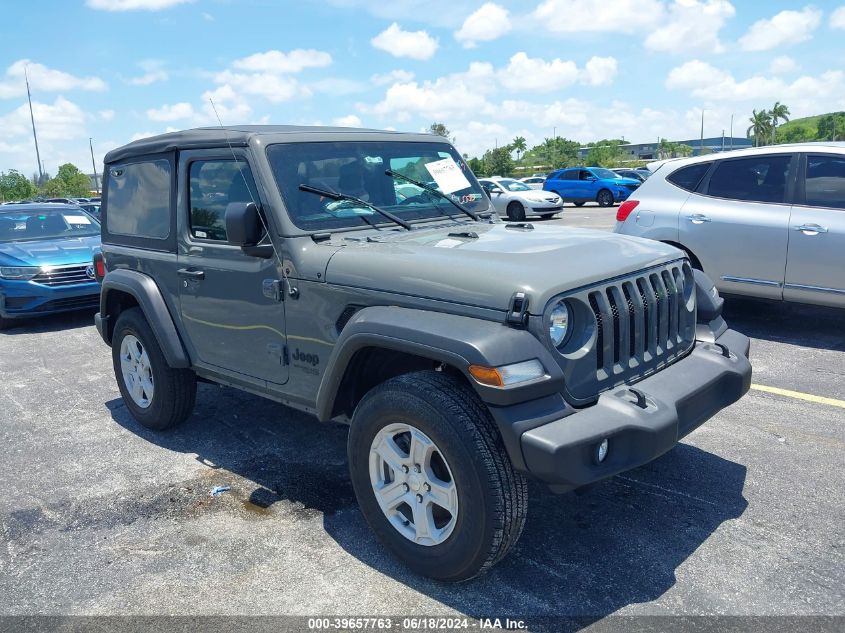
(94, 165)
(32, 118)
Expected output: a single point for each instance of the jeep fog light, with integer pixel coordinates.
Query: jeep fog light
(601, 451)
(559, 323)
(508, 375)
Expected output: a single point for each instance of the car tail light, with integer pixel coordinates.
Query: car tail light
(625, 209)
(99, 267)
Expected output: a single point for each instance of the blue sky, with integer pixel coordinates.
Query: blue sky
(115, 70)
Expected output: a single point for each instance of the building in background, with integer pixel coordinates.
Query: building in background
(649, 151)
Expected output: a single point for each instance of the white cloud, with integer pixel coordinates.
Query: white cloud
(230, 106)
(173, 112)
(390, 77)
(489, 22)
(44, 79)
(154, 71)
(207, 17)
(106, 115)
(783, 65)
(598, 16)
(274, 88)
(837, 18)
(134, 5)
(60, 121)
(599, 71)
(277, 62)
(350, 120)
(537, 75)
(787, 27)
(691, 26)
(414, 44)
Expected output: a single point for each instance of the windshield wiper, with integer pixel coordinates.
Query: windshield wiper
(437, 192)
(342, 196)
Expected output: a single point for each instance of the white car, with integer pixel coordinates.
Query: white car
(535, 182)
(516, 200)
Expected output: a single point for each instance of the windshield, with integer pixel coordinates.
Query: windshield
(605, 173)
(514, 185)
(356, 168)
(45, 224)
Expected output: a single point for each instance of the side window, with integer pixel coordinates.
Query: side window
(757, 179)
(572, 174)
(213, 185)
(138, 202)
(688, 178)
(825, 181)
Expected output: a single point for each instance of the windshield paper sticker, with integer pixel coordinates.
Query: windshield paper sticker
(77, 219)
(447, 175)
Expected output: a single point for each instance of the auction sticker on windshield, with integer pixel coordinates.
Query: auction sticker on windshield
(447, 175)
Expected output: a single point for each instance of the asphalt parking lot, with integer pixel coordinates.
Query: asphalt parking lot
(100, 516)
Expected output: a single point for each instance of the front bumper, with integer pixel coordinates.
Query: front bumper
(20, 299)
(677, 400)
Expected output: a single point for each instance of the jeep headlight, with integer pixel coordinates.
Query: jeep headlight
(19, 272)
(559, 319)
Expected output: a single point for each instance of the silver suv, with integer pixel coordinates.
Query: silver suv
(767, 222)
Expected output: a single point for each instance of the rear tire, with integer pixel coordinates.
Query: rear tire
(490, 497)
(516, 212)
(157, 395)
(604, 198)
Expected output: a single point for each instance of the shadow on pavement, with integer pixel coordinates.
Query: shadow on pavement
(51, 322)
(580, 557)
(794, 323)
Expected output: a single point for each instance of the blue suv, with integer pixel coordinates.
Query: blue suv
(46, 253)
(587, 184)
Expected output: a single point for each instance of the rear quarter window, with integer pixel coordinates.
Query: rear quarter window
(688, 178)
(138, 199)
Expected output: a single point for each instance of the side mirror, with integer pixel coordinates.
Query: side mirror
(245, 229)
(243, 224)
(592, 178)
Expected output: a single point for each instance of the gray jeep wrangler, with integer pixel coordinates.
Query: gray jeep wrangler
(362, 276)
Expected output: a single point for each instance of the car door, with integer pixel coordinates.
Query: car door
(229, 309)
(815, 267)
(586, 185)
(497, 195)
(736, 224)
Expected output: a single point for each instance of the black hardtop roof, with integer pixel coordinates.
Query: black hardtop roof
(235, 135)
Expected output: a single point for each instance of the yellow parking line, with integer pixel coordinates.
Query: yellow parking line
(800, 396)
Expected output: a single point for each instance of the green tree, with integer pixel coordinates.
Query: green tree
(761, 124)
(69, 182)
(498, 162)
(519, 146)
(831, 127)
(668, 149)
(605, 153)
(553, 153)
(477, 166)
(440, 129)
(15, 186)
(778, 112)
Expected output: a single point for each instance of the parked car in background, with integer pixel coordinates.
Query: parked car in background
(46, 253)
(635, 174)
(535, 182)
(588, 184)
(516, 200)
(765, 222)
(91, 208)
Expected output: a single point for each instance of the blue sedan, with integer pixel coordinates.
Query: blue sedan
(46, 253)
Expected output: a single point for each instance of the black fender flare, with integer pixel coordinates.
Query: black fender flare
(455, 340)
(149, 298)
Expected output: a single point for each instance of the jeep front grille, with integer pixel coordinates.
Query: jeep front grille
(640, 324)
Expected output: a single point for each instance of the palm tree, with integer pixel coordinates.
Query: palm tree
(778, 112)
(761, 123)
(519, 146)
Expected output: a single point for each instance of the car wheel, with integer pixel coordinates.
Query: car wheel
(516, 211)
(604, 198)
(579, 204)
(157, 395)
(432, 476)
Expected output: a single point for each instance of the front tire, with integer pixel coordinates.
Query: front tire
(516, 212)
(465, 508)
(157, 395)
(604, 198)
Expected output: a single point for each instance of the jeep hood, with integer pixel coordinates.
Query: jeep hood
(486, 271)
(51, 252)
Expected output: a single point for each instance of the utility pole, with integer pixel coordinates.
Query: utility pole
(723, 140)
(94, 165)
(34, 135)
(732, 130)
(701, 142)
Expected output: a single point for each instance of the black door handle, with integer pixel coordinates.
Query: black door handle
(191, 274)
